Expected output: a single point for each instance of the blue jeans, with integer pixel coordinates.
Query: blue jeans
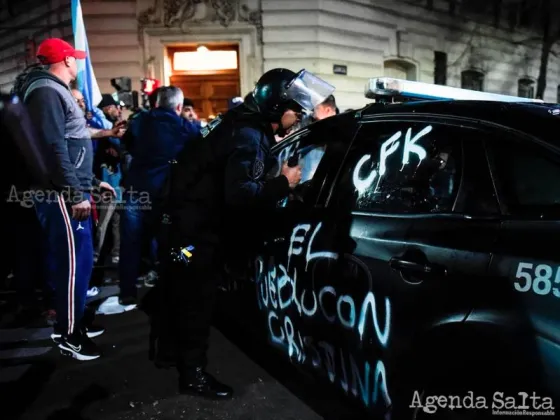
(138, 227)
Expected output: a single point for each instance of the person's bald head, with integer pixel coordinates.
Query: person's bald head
(79, 99)
(326, 109)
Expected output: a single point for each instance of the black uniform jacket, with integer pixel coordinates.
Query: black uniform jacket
(218, 192)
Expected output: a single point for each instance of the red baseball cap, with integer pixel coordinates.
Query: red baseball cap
(55, 50)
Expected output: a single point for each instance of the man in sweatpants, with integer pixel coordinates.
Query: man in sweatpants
(65, 217)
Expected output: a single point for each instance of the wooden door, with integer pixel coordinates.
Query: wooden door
(209, 93)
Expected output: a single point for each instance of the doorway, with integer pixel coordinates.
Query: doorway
(207, 74)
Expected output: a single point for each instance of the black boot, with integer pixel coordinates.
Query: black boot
(198, 382)
(165, 357)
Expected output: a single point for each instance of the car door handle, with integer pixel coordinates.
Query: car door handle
(414, 267)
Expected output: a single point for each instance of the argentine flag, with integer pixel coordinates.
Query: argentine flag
(86, 81)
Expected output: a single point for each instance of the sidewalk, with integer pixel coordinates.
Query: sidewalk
(124, 385)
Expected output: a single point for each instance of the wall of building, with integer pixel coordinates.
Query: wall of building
(22, 27)
(111, 28)
(314, 34)
(112, 31)
(362, 35)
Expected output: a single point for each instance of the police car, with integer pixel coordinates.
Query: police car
(416, 267)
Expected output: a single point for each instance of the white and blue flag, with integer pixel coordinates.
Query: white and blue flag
(86, 81)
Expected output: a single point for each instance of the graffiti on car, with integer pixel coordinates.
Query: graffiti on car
(292, 303)
(362, 182)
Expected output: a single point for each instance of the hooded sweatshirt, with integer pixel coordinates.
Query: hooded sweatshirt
(60, 122)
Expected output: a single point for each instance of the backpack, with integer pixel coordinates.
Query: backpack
(223, 128)
(182, 177)
(21, 79)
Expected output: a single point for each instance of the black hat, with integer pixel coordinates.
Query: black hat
(107, 100)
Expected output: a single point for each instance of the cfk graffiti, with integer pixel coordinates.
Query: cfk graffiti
(388, 148)
(290, 295)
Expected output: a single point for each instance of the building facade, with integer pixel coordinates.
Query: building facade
(216, 49)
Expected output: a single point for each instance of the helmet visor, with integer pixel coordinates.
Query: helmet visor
(308, 90)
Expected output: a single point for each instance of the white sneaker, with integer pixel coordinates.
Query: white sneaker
(112, 306)
(149, 279)
(94, 291)
(115, 260)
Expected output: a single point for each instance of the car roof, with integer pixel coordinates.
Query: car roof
(537, 119)
(541, 120)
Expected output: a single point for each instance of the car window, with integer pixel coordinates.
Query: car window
(528, 175)
(308, 155)
(478, 195)
(403, 168)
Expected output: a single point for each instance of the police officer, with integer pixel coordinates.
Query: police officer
(218, 195)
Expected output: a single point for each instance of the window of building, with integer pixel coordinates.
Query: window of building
(527, 13)
(477, 7)
(400, 69)
(403, 168)
(526, 88)
(204, 59)
(440, 68)
(473, 80)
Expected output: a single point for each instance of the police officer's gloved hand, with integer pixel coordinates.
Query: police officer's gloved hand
(293, 173)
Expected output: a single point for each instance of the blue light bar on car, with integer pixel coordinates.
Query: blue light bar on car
(389, 87)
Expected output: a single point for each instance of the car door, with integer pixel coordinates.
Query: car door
(412, 251)
(282, 279)
(526, 255)
(449, 248)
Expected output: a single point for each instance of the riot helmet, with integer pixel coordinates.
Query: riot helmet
(281, 89)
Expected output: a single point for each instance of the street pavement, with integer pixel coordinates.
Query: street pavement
(37, 383)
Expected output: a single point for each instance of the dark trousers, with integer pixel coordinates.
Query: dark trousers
(137, 226)
(189, 294)
(69, 259)
(27, 246)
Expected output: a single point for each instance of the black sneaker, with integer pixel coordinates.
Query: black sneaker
(92, 331)
(78, 346)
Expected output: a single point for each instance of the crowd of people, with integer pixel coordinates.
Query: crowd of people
(174, 194)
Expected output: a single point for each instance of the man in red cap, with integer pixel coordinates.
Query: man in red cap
(65, 217)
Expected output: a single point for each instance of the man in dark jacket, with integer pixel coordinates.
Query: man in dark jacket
(65, 218)
(133, 131)
(162, 135)
(30, 164)
(218, 191)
